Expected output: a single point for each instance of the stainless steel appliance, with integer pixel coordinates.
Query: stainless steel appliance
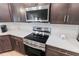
(37, 14)
(36, 41)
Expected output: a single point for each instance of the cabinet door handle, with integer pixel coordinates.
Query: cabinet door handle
(67, 18)
(64, 18)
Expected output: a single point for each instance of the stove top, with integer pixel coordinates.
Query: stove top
(37, 37)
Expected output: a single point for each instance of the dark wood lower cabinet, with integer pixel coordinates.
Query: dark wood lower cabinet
(8, 42)
(0, 46)
(54, 51)
(5, 44)
(17, 44)
(19, 47)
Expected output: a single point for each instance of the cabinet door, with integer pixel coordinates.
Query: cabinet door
(6, 44)
(1, 46)
(51, 52)
(73, 14)
(4, 12)
(17, 44)
(12, 42)
(55, 51)
(17, 10)
(58, 13)
(19, 47)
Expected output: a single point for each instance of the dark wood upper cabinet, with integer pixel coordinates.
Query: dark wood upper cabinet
(64, 13)
(4, 12)
(58, 13)
(17, 12)
(73, 14)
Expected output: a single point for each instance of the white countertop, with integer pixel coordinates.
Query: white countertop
(62, 36)
(18, 33)
(62, 43)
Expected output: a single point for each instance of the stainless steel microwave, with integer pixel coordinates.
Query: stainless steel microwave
(37, 14)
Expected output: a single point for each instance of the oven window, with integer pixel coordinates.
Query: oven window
(33, 52)
(37, 14)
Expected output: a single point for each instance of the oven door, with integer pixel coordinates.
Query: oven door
(33, 52)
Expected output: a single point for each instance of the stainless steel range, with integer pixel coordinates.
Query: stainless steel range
(36, 41)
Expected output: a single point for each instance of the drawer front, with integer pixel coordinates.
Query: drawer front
(5, 37)
(17, 38)
(54, 53)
